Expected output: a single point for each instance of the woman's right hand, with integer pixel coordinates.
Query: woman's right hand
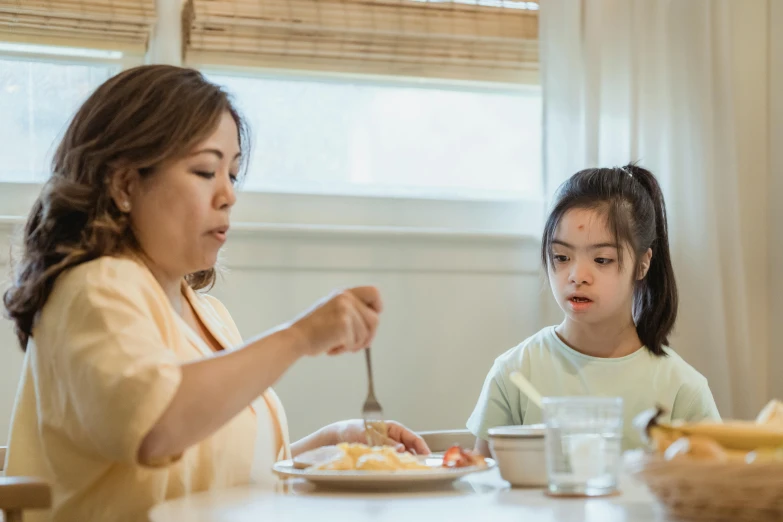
(342, 322)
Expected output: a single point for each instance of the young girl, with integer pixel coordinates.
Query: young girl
(606, 250)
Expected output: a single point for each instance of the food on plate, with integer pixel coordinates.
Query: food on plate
(750, 442)
(388, 460)
(457, 457)
(361, 457)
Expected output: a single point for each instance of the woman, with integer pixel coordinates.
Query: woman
(135, 388)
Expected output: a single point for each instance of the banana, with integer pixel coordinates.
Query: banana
(698, 448)
(735, 435)
(742, 436)
(661, 439)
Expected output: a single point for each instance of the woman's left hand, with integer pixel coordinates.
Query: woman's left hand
(398, 435)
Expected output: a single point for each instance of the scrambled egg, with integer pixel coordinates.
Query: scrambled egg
(365, 458)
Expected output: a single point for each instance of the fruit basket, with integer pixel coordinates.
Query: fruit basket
(731, 471)
(715, 491)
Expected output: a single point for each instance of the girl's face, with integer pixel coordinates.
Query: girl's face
(587, 281)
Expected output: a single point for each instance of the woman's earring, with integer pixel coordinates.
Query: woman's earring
(126, 206)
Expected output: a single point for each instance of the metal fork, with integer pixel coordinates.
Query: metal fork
(372, 413)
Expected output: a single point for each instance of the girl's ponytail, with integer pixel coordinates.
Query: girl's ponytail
(655, 297)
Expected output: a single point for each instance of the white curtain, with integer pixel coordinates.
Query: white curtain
(652, 80)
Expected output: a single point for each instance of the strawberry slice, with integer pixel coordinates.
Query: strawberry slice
(456, 457)
(453, 457)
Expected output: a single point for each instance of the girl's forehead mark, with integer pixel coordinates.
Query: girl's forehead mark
(581, 227)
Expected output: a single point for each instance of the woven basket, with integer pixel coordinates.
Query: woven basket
(702, 490)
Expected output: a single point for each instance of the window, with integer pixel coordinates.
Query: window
(326, 149)
(40, 89)
(312, 135)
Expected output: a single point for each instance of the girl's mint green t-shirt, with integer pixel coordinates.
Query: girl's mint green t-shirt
(641, 379)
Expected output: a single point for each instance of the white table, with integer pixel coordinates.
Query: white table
(483, 496)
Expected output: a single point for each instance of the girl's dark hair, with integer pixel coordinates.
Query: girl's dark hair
(636, 215)
(137, 119)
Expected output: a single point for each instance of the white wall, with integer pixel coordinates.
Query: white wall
(453, 303)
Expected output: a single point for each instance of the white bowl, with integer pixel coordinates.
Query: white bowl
(519, 452)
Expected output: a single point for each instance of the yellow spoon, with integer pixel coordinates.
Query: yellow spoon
(528, 389)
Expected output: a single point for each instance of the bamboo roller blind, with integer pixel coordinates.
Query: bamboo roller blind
(495, 41)
(106, 24)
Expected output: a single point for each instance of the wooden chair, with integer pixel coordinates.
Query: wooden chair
(18, 494)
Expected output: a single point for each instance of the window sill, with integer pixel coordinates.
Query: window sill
(250, 229)
(298, 214)
(278, 248)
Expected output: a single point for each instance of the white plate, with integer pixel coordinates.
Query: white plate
(381, 480)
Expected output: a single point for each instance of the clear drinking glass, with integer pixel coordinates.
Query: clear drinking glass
(583, 444)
